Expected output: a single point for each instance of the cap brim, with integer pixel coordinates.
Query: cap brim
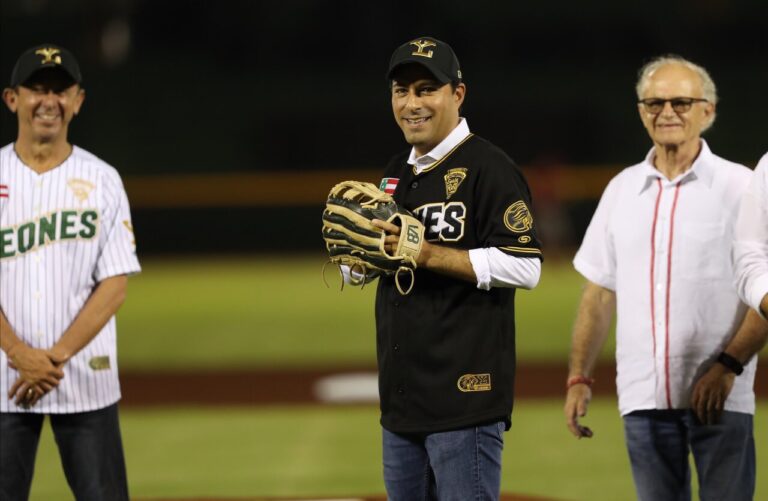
(22, 79)
(439, 76)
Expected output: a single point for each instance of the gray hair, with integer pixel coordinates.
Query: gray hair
(708, 87)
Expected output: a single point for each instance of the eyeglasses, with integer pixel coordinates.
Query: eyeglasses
(655, 105)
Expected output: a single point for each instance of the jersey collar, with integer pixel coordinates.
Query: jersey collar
(425, 162)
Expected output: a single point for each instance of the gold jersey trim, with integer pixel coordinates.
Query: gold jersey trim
(430, 167)
(524, 250)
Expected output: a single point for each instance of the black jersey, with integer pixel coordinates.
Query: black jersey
(446, 351)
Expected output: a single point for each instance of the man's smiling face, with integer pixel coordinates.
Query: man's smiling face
(426, 110)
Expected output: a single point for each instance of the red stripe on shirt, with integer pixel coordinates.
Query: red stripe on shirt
(669, 286)
(653, 268)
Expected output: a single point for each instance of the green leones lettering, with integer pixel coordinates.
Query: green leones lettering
(88, 222)
(25, 237)
(6, 243)
(47, 229)
(57, 226)
(67, 222)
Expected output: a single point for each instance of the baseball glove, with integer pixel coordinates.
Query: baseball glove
(353, 241)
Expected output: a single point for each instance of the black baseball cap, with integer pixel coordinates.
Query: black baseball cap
(45, 56)
(434, 55)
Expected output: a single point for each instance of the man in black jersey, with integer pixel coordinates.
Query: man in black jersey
(446, 351)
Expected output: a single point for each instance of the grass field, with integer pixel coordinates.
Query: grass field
(270, 311)
(277, 312)
(335, 451)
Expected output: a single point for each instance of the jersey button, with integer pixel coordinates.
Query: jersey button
(400, 390)
(415, 185)
(396, 347)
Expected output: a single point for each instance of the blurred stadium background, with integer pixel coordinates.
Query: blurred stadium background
(230, 120)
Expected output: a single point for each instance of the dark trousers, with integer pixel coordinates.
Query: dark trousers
(89, 444)
(659, 442)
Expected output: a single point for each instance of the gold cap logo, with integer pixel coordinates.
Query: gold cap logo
(453, 179)
(81, 188)
(474, 382)
(518, 218)
(421, 45)
(50, 55)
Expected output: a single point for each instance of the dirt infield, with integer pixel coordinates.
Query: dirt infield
(298, 386)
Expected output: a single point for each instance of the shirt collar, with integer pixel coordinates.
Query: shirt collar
(701, 169)
(457, 135)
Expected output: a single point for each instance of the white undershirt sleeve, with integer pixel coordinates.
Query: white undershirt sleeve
(495, 268)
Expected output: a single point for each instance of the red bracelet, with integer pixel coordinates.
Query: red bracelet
(579, 380)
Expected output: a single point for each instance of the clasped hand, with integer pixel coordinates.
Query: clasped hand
(40, 371)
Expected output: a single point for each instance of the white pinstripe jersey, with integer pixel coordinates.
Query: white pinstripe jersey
(61, 233)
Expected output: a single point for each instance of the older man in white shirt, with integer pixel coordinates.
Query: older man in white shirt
(658, 252)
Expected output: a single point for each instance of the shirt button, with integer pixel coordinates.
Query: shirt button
(36, 295)
(415, 185)
(396, 347)
(397, 303)
(400, 390)
(658, 287)
(38, 183)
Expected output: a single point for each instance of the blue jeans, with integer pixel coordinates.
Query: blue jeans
(658, 442)
(89, 444)
(459, 465)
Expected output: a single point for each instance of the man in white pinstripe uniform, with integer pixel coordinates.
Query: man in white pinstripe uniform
(66, 248)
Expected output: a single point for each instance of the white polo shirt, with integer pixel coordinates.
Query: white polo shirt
(751, 246)
(664, 247)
